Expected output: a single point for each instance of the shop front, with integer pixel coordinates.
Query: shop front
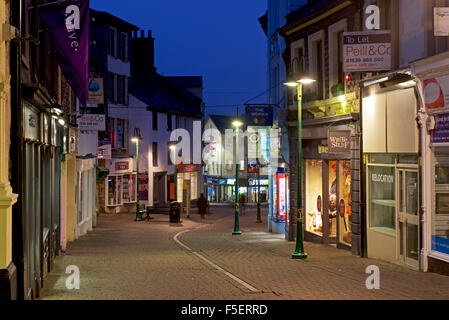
(327, 186)
(392, 172)
(432, 77)
(118, 192)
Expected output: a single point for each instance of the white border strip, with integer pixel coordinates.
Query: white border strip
(230, 275)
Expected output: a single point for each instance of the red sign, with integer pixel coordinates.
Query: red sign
(122, 165)
(187, 167)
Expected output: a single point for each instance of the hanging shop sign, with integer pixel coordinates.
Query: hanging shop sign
(339, 142)
(436, 93)
(259, 116)
(441, 22)
(96, 91)
(182, 168)
(105, 152)
(30, 124)
(441, 132)
(92, 122)
(367, 51)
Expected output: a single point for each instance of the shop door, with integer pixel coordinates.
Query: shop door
(408, 217)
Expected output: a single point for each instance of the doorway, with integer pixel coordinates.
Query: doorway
(408, 217)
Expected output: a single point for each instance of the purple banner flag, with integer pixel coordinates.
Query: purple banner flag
(69, 28)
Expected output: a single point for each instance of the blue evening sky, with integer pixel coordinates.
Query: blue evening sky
(220, 40)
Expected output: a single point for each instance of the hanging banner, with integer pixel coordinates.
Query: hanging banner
(339, 142)
(436, 92)
(69, 29)
(143, 187)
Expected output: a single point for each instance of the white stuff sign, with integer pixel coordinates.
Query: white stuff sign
(367, 51)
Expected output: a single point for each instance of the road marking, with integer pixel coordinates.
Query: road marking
(230, 275)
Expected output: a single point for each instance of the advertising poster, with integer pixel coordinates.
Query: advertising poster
(282, 206)
(441, 22)
(143, 187)
(367, 51)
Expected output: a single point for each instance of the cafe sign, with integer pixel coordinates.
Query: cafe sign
(339, 142)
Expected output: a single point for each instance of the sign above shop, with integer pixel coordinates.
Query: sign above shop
(367, 51)
(122, 165)
(436, 93)
(92, 122)
(104, 152)
(441, 22)
(259, 116)
(339, 142)
(187, 167)
(441, 132)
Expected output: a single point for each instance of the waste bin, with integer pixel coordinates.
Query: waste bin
(175, 212)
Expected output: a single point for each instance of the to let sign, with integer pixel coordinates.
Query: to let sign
(92, 122)
(367, 51)
(339, 142)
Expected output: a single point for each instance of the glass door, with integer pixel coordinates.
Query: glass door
(408, 217)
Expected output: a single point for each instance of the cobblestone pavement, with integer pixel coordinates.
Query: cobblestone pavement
(123, 259)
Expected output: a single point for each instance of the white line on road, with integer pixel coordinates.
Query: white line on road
(230, 275)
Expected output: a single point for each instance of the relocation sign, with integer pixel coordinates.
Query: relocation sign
(92, 122)
(96, 91)
(441, 132)
(367, 51)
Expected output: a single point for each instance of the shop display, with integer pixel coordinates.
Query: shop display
(314, 189)
(345, 202)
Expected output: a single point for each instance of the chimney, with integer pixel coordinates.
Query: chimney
(142, 63)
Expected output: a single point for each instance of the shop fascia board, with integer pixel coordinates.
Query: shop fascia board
(433, 66)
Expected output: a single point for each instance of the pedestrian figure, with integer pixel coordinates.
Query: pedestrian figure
(202, 205)
(242, 204)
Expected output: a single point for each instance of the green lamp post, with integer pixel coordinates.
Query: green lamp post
(237, 124)
(298, 81)
(136, 139)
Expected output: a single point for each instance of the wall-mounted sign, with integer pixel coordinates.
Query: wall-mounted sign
(367, 51)
(339, 142)
(104, 152)
(188, 167)
(441, 132)
(441, 22)
(96, 91)
(436, 92)
(92, 122)
(323, 149)
(123, 165)
(259, 116)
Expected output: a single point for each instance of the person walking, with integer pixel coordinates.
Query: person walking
(202, 206)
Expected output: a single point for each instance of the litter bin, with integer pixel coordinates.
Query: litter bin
(175, 212)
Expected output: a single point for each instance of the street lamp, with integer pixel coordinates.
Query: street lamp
(136, 139)
(237, 124)
(298, 80)
(173, 149)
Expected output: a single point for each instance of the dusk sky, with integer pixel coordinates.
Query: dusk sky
(219, 40)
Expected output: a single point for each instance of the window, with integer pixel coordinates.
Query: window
(440, 216)
(113, 42)
(169, 122)
(154, 120)
(113, 88)
(382, 182)
(155, 155)
(122, 89)
(319, 68)
(340, 73)
(118, 133)
(124, 47)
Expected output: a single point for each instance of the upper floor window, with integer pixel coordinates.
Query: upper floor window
(154, 120)
(119, 129)
(124, 47)
(155, 155)
(113, 42)
(113, 88)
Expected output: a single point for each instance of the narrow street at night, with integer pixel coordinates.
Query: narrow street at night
(128, 260)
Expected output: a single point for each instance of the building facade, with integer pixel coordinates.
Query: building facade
(8, 270)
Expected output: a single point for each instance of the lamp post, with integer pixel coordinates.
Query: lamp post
(259, 219)
(173, 149)
(237, 124)
(136, 139)
(298, 81)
